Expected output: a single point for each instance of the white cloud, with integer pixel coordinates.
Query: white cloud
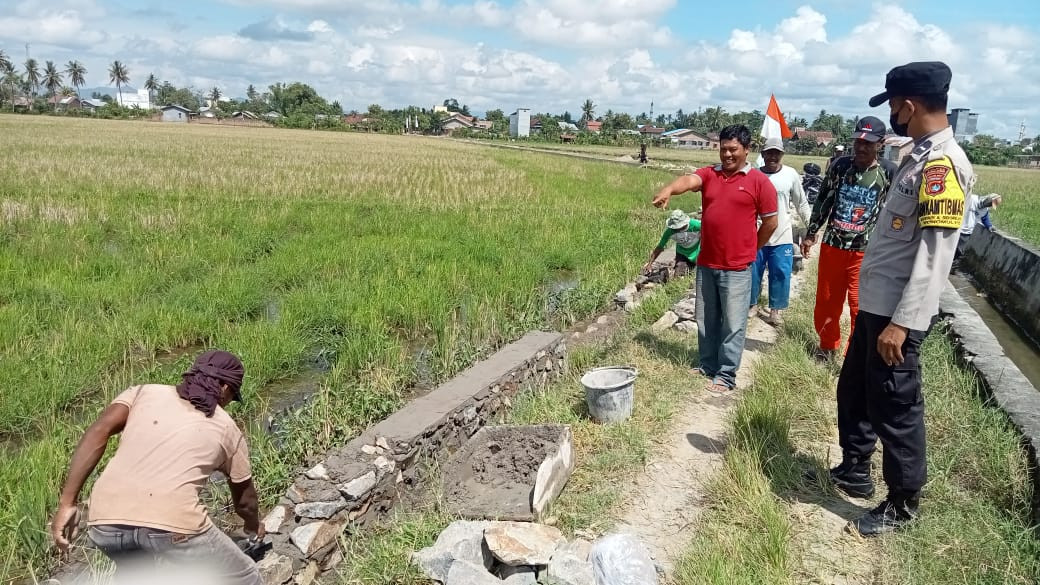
(319, 27)
(545, 54)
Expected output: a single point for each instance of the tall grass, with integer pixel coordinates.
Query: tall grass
(1021, 190)
(126, 248)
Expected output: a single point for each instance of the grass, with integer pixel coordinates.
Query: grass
(1021, 190)
(380, 555)
(1020, 187)
(126, 248)
(974, 527)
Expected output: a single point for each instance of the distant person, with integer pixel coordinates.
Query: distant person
(904, 271)
(144, 508)
(811, 181)
(734, 196)
(839, 151)
(685, 231)
(977, 212)
(847, 209)
(778, 253)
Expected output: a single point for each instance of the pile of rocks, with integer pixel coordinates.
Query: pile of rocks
(682, 316)
(516, 553)
(630, 297)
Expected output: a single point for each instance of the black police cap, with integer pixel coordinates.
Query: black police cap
(915, 79)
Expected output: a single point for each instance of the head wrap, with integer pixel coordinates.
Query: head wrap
(201, 383)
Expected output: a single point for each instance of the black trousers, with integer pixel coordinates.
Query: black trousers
(876, 401)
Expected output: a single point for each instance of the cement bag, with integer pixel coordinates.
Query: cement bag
(621, 559)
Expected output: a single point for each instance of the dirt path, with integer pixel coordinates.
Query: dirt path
(667, 499)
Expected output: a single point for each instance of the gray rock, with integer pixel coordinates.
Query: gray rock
(308, 574)
(689, 327)
(382, 443)
(320, 509)
(274, 519)
(631, 306)
(467, 573)
(357, 488)
(317, 472)
(384, 465)
(310, 538)
(312, 490)
(275, 569)
(462, 540)
(522, 543)
(666, 321)
(686, 310)
(518, 575)
(570, 565)
(603, 320)
(591, 329)
(626, 294)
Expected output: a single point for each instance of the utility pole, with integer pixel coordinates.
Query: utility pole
(1021, 131)
(26, 51)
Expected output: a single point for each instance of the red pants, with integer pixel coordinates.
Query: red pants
(838, 277)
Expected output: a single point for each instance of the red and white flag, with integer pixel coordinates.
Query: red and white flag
(774, 125)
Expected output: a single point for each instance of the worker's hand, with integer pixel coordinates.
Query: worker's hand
(661, 200)
(261, 531)
(890, 344)
(647, 267)
(807, 244)
(65, 526)
(997, 201)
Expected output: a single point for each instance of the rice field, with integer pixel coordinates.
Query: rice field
(363, 265)
(1017, 216)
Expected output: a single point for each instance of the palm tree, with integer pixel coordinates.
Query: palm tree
(67, 91)
(588, 111)
(51, 78)
(214, 96)
(77, 74)
(5, 63)
(118, 74)
(152, 85)
(32, 77)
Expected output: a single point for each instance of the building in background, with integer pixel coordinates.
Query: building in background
(141, 98)
(965, 124)
(520, 123)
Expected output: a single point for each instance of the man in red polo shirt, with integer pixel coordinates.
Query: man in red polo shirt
(734, 196)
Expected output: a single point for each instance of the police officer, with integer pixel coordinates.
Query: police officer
(903, 273)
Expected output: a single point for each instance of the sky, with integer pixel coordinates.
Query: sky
(551, 55)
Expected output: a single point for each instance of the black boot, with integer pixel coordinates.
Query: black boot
(892, 514)
(851, 477)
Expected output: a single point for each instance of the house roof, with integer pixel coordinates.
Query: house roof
(68, 100)
(244, 114)
(93, 102)
(461, 119)
(353, 119)
(272, 114)
(820, 136)
(21, 101)
(593, 124)
(648, 129)
(175, 107)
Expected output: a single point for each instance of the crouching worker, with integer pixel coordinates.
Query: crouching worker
(686, 232)
(144, 509)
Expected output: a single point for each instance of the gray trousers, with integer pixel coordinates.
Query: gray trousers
(146, 555)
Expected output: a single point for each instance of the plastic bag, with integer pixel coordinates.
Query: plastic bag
(621, 559)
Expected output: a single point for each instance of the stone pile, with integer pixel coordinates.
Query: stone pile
(513, 553)
(682, 316)
(359, 482)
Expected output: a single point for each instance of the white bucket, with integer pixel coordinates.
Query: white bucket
(609, 392)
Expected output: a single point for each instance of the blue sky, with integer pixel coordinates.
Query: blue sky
(553, 54)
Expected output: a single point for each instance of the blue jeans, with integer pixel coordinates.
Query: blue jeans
(780, 260)
(723, 298)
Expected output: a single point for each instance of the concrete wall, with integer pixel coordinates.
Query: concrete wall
(1008, 270)
(359, 482)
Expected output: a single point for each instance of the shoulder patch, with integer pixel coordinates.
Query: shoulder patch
(941, 198)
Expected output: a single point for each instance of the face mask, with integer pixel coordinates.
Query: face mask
(900, 129)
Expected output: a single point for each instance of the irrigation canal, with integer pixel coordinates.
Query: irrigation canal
(1018, 347)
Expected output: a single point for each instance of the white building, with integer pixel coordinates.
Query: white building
(141, 99)
(520, 123)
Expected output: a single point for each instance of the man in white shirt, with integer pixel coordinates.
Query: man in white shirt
(778, 253)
